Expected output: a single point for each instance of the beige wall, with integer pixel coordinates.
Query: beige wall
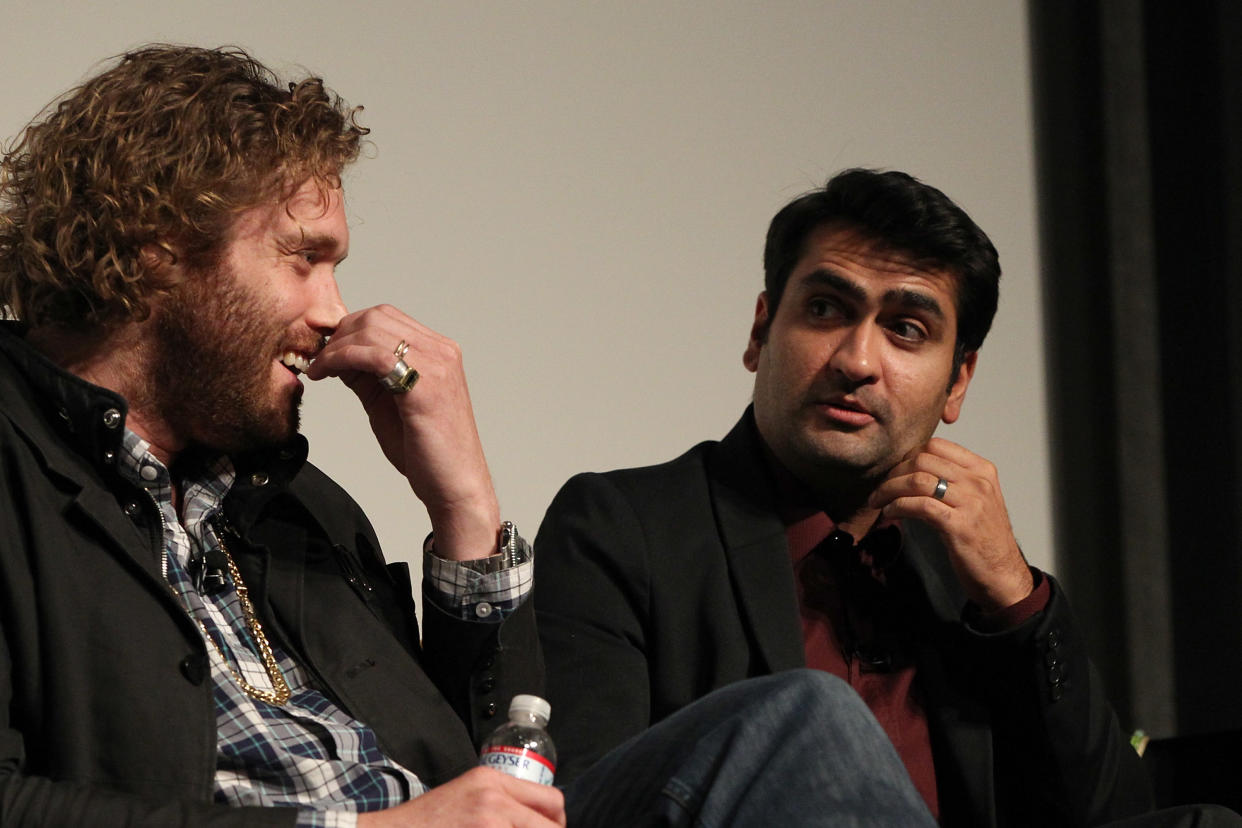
(577, 192)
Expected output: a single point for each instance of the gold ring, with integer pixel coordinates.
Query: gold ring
(399, 351)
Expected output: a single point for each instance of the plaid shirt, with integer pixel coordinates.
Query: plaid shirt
(307, 753)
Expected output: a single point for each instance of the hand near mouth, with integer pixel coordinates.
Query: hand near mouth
(428, 433)
(969, 515)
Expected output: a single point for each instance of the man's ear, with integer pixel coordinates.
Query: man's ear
(160, 263)
(957, 391)
(758, 333)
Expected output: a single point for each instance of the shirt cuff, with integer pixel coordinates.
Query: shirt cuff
(326, 819)
(1014, 615)
(487, 589)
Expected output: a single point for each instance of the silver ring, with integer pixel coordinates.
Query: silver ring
(400, 379)
(399, 351)
(942, 486)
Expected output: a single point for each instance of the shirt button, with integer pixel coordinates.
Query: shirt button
(258, 479)
(483, 609)
(112, 418)
(148, 473)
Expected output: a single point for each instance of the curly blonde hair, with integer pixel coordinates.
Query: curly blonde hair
(165, 148)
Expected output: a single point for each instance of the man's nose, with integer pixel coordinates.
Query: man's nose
(327, 307)
(856, 356)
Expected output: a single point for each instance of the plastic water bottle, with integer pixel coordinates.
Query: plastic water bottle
(521, 747)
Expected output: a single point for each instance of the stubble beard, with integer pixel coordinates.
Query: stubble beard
(212, 363)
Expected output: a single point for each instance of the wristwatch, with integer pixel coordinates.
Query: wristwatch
(513, 547)
(512, 550)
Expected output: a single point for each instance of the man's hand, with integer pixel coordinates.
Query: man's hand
(428, 433)
(971, 519)
(480, 798)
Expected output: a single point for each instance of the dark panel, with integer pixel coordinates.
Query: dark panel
(1078, 324)
(1191, 189)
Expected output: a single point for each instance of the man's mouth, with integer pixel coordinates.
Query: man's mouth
(847, 410)
(847, 403)
(296, 362)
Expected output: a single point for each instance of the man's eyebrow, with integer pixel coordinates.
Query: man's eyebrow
(825, 278)
(916, 300)
(325, 242)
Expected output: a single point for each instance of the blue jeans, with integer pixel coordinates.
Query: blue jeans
(796, 748)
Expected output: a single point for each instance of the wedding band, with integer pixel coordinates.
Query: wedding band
(399, 351)
(941, 487)
(400, 379)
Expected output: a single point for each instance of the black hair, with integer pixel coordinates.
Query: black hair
(902, 215)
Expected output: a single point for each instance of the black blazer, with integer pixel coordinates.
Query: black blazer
(657, 585)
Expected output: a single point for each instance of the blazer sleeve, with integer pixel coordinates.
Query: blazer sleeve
(591, 598)
(1061, 756)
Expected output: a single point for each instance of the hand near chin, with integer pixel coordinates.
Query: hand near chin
(428, 433)
(970, 517)
(480, 798)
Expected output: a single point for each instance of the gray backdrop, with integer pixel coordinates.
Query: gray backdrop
(578, 192)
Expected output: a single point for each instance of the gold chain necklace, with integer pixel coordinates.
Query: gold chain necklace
(280, 692)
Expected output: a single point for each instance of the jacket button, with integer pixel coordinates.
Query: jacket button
(132, 509)
(1055, 673)
(1054, 639)
(112, 418)
(1057, 692)
(487, 685)
(194, 668)
(258, 479)
(489, 710)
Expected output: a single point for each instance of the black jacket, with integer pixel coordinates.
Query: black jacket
(657, 585)
(106, 712)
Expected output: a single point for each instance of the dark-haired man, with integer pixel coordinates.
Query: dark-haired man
(196, 625)
(831, 529)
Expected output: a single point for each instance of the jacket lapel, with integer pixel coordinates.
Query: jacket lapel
(755, 547)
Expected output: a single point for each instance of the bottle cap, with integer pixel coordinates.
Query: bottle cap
(523, 703)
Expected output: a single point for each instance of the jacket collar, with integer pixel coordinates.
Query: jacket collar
(89, 418)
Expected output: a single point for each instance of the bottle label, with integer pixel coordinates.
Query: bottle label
(519, 762)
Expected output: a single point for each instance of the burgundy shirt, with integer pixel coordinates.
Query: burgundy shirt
(854, 628)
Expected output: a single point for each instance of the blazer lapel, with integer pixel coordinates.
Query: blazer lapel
(755, 547)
